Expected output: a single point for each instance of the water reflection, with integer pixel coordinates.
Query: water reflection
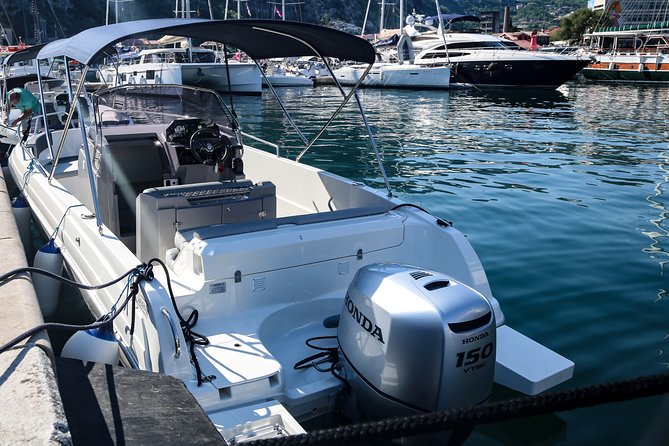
(660, 232)
(446, 141)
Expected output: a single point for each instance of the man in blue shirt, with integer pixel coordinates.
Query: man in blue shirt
(23, 100)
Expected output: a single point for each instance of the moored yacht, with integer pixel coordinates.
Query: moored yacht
(640, 55)
(276, 291)
(187, 66)
(486, 61)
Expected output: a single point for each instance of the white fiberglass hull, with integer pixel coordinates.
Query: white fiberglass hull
(244, 77)
(396, 76)
(283, 80)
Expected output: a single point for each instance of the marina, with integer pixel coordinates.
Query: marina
(561, 196)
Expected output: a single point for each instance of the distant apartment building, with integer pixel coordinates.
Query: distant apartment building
(491, 22)
(633, 13)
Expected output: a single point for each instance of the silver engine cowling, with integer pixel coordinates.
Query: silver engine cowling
(414, 341)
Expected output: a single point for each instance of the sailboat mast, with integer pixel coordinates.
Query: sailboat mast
(364, 22)
(383, 13)
(401, 15)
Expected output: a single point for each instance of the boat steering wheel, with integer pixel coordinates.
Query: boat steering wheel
(208, 146)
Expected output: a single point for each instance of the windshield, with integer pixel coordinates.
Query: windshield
(161, 104)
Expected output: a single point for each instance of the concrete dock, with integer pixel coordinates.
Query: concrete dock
(31, 411)
(51, 401)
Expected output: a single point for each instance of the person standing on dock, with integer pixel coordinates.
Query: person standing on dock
(23, 100)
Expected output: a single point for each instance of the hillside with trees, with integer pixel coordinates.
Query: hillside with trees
(46, 20)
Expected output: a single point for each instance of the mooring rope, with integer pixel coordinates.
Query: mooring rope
(482, 414)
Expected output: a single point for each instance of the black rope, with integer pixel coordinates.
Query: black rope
(29, 269)
(482, 414)
(325, 355)
(140, 273)
(26, 132)
(192, 338)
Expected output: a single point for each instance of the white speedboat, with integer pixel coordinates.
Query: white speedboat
(188, 66)
(278, 290)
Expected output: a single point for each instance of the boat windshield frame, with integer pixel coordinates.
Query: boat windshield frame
(167, 102)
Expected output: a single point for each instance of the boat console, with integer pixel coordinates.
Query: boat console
(161, 211)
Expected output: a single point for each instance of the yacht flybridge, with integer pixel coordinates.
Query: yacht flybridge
(314, 292)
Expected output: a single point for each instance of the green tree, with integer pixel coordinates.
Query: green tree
(581, 21)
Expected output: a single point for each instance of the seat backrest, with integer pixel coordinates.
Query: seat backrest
(132, 165)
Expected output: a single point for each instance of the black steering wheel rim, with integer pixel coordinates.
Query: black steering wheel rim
(208, 146)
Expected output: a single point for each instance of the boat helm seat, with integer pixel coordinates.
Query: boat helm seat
(129, 166)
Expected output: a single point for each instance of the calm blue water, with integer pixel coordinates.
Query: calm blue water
(565, 197)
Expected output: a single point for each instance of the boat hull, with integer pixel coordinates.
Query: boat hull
(288, 81)
(396, 76)
(631, 68)
(245, 77)
(535, 73)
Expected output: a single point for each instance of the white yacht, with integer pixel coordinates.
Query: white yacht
(276, 291)
(486, 61)
(187, 66)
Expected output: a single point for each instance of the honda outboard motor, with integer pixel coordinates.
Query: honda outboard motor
(414, 341)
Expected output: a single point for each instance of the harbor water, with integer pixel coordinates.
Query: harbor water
(565, 197)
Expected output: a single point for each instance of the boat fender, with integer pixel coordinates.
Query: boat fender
(21, 212)
(47, 288)
(97, 345)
